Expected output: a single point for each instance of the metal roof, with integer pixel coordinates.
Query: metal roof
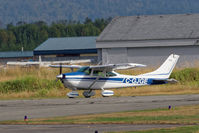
(16, 54)
(68, 43)
(148, 43)
(153, 27)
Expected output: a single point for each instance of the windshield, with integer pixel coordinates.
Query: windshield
(86, 70)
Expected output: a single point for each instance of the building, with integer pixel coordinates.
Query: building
(67, 48)
(15, 56)
(150, 39)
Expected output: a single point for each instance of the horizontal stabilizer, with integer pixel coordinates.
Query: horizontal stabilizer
(172, 81)
(160, 81)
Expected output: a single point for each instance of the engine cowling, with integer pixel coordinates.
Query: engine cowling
(107, 93)
(72, 94)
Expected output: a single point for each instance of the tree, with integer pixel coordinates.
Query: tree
(31, 35)
(87, 21)
(10, 26)
(21, 23)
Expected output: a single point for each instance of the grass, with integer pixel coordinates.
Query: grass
(20, 83)
(17, 83)
(183, 115)
(186, 75)
(30, 86)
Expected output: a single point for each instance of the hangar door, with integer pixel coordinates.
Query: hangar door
(114, 55)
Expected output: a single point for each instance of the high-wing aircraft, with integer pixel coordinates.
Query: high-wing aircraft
(103, 77)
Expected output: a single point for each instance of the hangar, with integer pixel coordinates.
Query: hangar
(67, 48)
(15, 56)
(150, 39)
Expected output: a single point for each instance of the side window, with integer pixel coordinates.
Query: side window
(98, 73)
(110, 74)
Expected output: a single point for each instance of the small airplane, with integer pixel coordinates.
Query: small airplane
(103, 77)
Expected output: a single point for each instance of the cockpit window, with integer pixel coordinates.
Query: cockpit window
(98, 73)
(88, 71)
(102, 74)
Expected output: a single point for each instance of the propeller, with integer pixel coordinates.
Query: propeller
(60, 76)
(60, 68)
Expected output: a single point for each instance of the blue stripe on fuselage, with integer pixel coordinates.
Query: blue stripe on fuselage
(140, 81)
(94, 78)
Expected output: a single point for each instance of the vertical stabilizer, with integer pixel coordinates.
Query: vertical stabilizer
(165, 70)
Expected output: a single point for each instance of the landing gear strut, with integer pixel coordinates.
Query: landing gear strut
(88, 93)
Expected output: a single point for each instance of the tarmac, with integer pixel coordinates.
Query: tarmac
(77, 128)
(17, 109)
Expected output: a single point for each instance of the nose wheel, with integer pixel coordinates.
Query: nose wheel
(88, 93)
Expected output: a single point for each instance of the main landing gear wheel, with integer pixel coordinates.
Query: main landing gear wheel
(107, 93)
(73, 94)
(88, 93)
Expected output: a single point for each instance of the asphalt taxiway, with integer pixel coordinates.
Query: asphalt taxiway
(17, 109)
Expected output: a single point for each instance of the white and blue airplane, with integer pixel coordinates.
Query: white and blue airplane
(103, 77)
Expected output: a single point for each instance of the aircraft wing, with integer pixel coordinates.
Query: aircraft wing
(111, 67)
(48, 63)
(65, 66)
(22, 63)
(71, 61)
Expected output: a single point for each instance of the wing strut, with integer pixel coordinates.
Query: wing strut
(93, 82)
(97, 78)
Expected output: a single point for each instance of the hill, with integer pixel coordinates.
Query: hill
(13, 11)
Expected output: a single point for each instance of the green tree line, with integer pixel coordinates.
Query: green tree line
(29, 36)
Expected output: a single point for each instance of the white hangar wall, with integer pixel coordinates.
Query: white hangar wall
(151, 56)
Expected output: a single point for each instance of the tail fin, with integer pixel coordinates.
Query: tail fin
(164, 71)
